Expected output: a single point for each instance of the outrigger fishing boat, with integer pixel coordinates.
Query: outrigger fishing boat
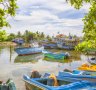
(52, 82)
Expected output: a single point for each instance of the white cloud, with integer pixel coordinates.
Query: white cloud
(43, 15)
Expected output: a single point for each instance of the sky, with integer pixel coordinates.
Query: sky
(48, 16)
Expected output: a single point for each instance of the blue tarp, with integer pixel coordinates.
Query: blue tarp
(18, 40)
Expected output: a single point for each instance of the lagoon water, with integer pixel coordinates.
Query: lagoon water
(14, 66)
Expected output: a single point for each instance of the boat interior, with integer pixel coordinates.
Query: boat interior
(50, 82)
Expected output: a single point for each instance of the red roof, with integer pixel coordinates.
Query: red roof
(60, 35)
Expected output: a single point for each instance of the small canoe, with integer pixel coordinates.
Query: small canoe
(83, 75)
(29, 50)
(64, 83)
(56, 55)
(9, 85)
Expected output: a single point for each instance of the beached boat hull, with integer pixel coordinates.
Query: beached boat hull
(64, 84)
(29, 50)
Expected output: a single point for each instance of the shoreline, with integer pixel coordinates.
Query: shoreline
(7, 43)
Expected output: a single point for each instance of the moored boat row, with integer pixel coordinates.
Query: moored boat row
(83, 78)
(63, 81)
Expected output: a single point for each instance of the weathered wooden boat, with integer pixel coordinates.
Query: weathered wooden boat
(92, 60)
(64, 83)
(29, 50)
(9, 85)
(56, 55)
(28, 58)
(84, 75)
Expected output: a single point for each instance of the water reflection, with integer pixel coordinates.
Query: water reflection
(28, 58)
(60, 61)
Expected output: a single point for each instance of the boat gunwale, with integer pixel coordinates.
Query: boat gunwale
(77, 76)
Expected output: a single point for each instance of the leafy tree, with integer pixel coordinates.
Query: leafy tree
(11, 37)
(26, 35)
(30, 36)
(49, 38)
(3, 35)
(19, 34)
(7, 8)
(42, 35)
(89, 20)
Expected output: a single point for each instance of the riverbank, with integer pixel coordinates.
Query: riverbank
(7, 44)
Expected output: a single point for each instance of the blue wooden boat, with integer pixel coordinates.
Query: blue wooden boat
(29, 50)
(9, 85)
(84, 75)
(56, 55)
(46, 83)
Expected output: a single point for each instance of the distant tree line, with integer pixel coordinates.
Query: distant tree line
(27, 36)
